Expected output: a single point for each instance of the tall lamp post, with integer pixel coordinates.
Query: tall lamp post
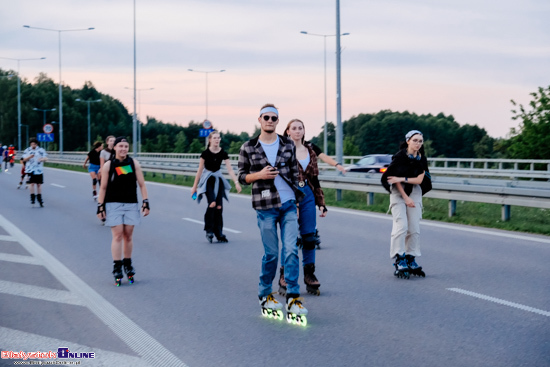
(339, 129)
(60, 87)
(88, 102)
(19, 98)
(325, 52)
(206, 80)
(139, 115)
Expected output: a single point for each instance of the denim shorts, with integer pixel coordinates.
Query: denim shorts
(122, 213)
(93, 168)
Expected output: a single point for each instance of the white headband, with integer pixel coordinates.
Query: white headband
(411, 133)
(269, 109)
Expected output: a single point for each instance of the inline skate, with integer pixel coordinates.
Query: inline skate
(129, 269)
(295, 311)
(117, 272)
(282, 282)
(414, 268)
(271, 308)
(401, 268)
(312, 284)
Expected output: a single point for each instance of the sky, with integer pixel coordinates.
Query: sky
(461, 57)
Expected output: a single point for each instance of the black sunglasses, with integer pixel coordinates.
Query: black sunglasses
(273, 118)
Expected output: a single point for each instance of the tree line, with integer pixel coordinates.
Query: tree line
(379, 132)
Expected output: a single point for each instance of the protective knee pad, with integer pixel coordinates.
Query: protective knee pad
(94, 181)
(310, 240)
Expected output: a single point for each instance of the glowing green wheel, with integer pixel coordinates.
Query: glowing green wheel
(289, 318)
(280, 314)
(304, 320)
(264, 312)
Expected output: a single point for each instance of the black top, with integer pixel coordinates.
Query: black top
(122, 184)
(315, 148)
(213, 161)
(94, 157)
(403, 165)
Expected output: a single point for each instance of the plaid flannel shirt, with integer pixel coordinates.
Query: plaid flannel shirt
(252, 159)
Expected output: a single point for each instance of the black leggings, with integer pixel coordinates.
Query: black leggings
(213, 220)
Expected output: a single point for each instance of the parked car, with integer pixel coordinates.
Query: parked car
(372, 163)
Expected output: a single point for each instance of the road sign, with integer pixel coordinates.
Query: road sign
(48, 128)
(203, 133)
(45, 138)
(207, 125)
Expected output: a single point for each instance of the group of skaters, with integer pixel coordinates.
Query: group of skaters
(283, 171)
(7, 155)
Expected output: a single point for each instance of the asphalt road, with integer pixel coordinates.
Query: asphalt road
(485, 300)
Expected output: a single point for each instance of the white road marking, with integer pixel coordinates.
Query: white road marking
(136, 338)
(500, 301)
(15, 340)
(506, 234)
(32, 291)
(7, 238)
(201, 222)
(56, 185)
(19, 259)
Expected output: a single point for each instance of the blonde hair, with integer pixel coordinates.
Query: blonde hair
(210, 135)
(288, 128)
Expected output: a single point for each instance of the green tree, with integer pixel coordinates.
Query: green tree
(196, 146)
(181, 143)
(235, 147)
(531, 140)
(350, 148)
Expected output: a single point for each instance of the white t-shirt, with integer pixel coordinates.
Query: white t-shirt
(33, 165)
(105, 155)
(285, 192)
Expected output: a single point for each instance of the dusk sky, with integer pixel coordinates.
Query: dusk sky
(460, 57)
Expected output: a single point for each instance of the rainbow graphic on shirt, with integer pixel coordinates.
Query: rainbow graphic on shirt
(124, 170)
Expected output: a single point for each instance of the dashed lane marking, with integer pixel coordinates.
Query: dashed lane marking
(7, 238)
(21, 259)
(57, 185)
(500, 301)
(201, 222)
(150, 350)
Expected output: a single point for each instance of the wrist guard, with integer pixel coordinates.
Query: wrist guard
(323, 209)
(145, 205)
(100, 208)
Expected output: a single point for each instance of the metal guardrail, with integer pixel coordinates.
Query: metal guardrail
(494, 191)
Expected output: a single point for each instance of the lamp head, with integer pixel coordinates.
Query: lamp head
(303, 32)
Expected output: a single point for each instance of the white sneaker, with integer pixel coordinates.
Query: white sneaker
(294, 305)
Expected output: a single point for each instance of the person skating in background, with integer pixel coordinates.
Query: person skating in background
(210, 182)
(307, 219)
(268, 162)
(407, 179)
(94, 165)
(118, 205)
(105, 154)
(23, 174)
(5, 157)
(34, 158)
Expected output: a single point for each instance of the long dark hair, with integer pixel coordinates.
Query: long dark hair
(288, 127)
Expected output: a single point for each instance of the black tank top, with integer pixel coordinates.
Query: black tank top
(122, 184)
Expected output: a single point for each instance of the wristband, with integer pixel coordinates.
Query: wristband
(145, 204)
(337, 164)
(324, 210)
(406, 179)
(100, 208)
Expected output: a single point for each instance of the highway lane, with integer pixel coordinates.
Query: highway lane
(198, 300)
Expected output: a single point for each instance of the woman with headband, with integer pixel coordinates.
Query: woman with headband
(407, 179)
(209, 181)
(118, 205)
(308, 182)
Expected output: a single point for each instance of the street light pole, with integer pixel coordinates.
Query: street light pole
(60, 82)
(89, 124)
(139, 115)
(339, 129)
(325, 131)
(19, 98)
(206, 80)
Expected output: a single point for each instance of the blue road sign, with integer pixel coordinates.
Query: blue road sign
(203, 133)
(44, 138)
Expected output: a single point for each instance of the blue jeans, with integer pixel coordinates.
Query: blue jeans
(286, 216)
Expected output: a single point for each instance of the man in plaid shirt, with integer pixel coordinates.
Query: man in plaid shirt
(269, 163)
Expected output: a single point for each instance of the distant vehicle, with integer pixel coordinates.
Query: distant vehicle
(372, 163)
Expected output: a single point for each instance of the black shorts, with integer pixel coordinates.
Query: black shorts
(36, 179)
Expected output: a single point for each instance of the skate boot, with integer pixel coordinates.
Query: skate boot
(413, 267)
(39, 199)
(209, 236)
(20, 184)
(312, 284)
(129, 269)
(282, 282)
(94, 194)
(33, 196)
(221, 238)
(271, 308)
(117, 272)
(295, 312)
(401, 268)
(318, 245)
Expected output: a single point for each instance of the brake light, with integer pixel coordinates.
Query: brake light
(382, 170)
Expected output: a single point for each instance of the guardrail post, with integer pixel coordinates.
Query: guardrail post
(506, 213)
(338, 195)
(452, 208)
(370, 198)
